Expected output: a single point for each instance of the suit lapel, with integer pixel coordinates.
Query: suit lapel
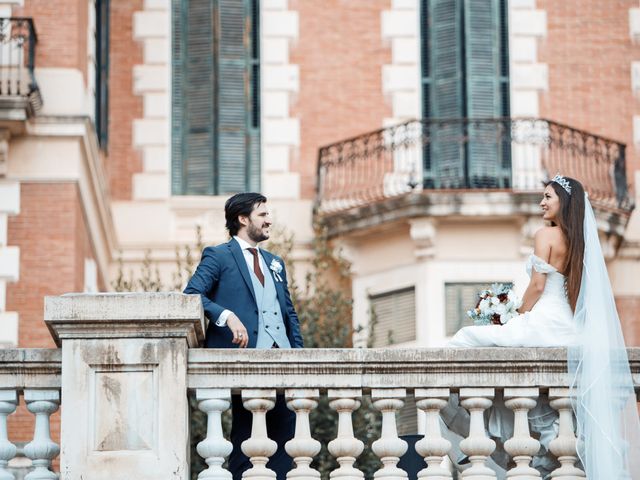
(238, 256)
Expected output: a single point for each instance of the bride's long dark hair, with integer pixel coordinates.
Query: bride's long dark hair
(571, 222)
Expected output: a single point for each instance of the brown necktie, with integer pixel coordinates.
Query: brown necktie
(256, 265)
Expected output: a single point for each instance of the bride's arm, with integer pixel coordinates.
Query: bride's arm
(542, 249)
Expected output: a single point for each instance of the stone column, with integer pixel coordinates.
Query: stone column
(477, 445)
(433, 447)
(564, 447)
(389, 447)
(345, 448)
(8, 403)
(124, 383)
(522, 447)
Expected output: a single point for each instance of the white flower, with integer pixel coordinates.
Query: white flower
(501, 309)
(484, 304)
(495, 300)
(276, 268)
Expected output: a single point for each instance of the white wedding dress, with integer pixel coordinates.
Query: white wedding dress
(548, 324)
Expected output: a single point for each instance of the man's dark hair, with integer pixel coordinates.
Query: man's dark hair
(240, 204)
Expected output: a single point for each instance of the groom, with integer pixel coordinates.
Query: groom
(245, 296)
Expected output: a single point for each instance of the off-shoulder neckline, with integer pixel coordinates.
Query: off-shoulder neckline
(540, 260)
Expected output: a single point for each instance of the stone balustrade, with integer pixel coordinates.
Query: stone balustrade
(126, 363)
(33, 376)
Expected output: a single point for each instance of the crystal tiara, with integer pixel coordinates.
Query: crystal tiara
(563, 182)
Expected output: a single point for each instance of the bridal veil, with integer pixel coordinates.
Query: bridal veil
(608, 428)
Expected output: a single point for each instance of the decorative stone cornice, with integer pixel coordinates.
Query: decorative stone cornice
(23, 368)
(383, 368)
(125, 315)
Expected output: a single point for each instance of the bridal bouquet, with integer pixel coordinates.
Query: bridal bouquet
(496, 306)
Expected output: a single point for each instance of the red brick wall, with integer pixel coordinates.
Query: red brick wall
(53, 241)
(589, 53)
(62, 31)
(125, 52)
(62, 42)
(340, 52)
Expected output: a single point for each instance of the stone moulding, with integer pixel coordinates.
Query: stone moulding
(125, 315)
(30, 368)
(378, 368)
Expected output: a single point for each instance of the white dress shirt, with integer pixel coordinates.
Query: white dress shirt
(248, 257)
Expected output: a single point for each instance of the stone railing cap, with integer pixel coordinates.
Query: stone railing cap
(125, 315)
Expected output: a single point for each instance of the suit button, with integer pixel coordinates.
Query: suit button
(264, 311)
(278, 328)
(255, 332)
(267, 326)
(275, 313)
(255, 311)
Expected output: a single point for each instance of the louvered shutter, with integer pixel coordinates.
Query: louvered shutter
(193, 117)
(447, 149)
(102, 72)
(233, 97)
(395, 317)
(482, 56)
(215, 102)
(254, 99)
(460, 297)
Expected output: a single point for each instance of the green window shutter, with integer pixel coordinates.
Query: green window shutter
(465, 74)
(446, 94)
(215, 125)
(482, 56)
(233, 97)
(193, 119)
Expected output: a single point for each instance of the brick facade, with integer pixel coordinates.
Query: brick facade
(589, 52)
(53, 241)
(123, 160)
(341, 54)
(51, 235)
(61, 26)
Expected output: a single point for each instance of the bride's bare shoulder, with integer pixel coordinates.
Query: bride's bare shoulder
(550, 235)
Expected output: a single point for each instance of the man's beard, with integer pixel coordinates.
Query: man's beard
(255, 233)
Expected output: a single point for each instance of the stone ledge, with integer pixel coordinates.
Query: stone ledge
(383, 368)
(125, 315)
(452, 203)
(22, 368)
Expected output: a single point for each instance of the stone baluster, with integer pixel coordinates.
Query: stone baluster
(42, 450)
(302, 447)
(433, 447)
(564, 447)
(259, 447)
(214, 448)
(389, 447)
(477, 445)
(8, 403)
(522, 447)
(346, 448)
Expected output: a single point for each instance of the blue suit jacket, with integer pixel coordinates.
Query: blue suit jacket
(222, 280)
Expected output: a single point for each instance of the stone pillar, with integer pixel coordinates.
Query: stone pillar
(124, 383)
(564, 446)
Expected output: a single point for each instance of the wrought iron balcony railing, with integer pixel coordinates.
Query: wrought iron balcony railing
(17, 59)
(472, 154)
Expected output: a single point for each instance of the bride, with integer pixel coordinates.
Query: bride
(569, 303)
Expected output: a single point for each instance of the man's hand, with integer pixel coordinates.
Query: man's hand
(240, 336)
